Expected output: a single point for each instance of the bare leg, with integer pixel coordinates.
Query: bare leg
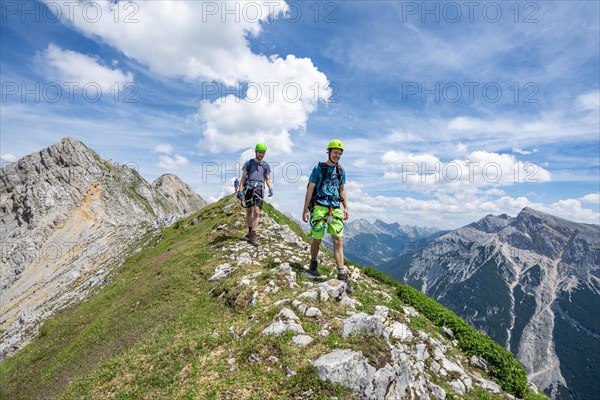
(249, 217)
(338, 252)
(314, 248)
(255, 217)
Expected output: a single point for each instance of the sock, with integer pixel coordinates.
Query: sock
(342, 271)
(313, 259)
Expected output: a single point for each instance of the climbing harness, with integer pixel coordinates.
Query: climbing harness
(256, 188)
(327, 219)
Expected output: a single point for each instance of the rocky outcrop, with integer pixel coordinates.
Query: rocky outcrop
(544, 273)
(67, 218)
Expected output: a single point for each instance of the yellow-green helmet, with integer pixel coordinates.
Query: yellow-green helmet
(261, 147)
(335, 144)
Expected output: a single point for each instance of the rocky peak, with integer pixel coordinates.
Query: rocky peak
(385, 226)
(491, 223)
(543, 233)
(544, 273)
(375, 243)
(533, 218)
(26, 183)
(177, 191)
(66, 214)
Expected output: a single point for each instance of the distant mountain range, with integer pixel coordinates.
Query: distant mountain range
(378, 242)
(67, 218)
(532, 283)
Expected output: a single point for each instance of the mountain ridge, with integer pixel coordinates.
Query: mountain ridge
(535, 264)
(200, 314)
(375, 243)
(67, 218)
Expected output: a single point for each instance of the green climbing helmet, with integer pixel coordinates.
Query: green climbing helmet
(335, 144)
(261, 147)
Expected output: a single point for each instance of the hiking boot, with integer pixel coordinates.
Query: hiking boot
(253, 240)
(312, 269)
(247, 237)
(344, 278)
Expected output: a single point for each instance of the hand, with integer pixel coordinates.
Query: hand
(270, 192)
(346, 214)
(239, 195)
(305, 216)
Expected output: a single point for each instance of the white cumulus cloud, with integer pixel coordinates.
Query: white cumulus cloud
(279, 98)
(451, 211)
(207, 43)
(8, 158)
(524, 152)
(589, 101)
(164, 148)
(426, 172)
(592, 198)
(67, 66)
(172, 163)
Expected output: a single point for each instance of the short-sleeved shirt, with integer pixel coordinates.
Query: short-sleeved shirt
(256, 172)
(331, 187)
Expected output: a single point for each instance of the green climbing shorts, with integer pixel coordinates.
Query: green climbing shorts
(334, 228)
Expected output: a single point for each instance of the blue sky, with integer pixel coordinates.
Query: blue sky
(449, 111)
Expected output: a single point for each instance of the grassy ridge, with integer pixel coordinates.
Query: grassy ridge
(161, 330)
(149, 291)
(157, 332)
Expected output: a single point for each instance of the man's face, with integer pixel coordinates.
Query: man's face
(260, 155)
(335, 155)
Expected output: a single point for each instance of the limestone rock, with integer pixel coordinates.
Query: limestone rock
(222, 271)
(66, 215)
(347, 368)
(363, 324)
(302, 340)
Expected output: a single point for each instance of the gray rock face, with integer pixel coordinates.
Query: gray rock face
(544, 273)
(347, 368)
(222, 271)
(362, 324)
(285, 321)
(67, 218)
(406, 375)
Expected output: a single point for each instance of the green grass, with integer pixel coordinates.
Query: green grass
(160, 330)
(157, 332)
(150, 293)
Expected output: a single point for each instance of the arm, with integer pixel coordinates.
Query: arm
(269, 184)
(344, 202)
(309, 192)
(242, 181)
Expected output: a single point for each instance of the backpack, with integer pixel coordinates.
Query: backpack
(319, 185)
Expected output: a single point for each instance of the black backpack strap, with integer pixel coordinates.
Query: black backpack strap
(323, 167)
